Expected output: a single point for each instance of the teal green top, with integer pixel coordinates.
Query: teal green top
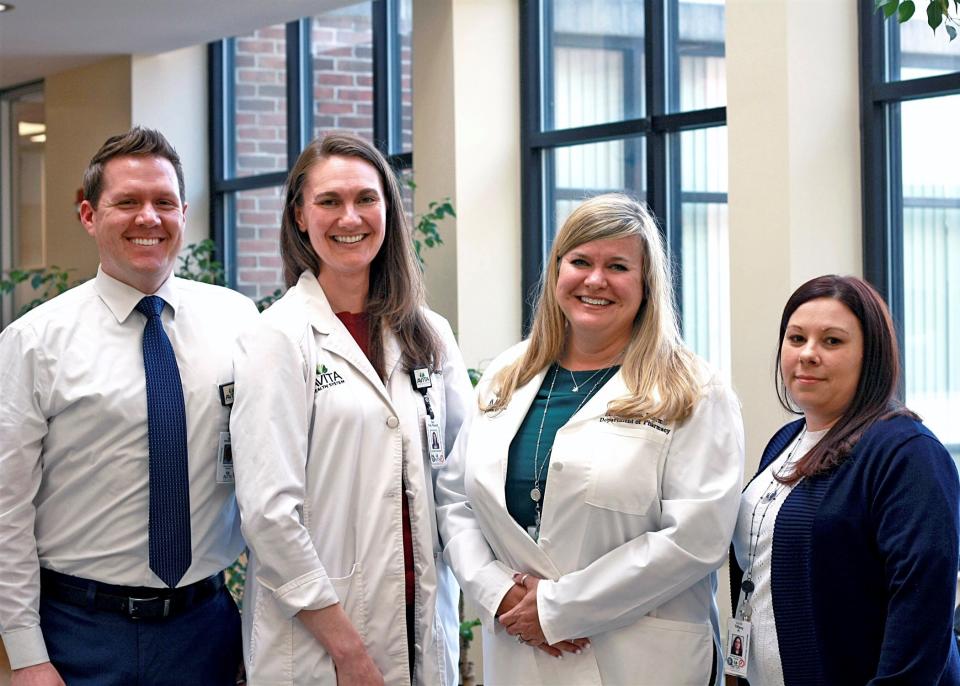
(564, 403)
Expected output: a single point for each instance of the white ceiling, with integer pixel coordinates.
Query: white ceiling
(42, 37)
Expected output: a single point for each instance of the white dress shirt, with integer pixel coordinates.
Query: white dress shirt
(765, 668)
(74, 456)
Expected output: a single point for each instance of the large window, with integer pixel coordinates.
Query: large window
(627, 95)
(278, 87)
(910, 94)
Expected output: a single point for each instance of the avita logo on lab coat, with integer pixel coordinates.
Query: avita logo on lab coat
(326, 378)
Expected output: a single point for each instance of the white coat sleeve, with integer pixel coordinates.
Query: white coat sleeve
(700, 496)
(481, 576)
(269, 427)
(22, 428)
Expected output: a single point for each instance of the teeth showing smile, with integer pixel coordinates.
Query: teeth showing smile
(147, 242)
(594, 301)
(356, 238)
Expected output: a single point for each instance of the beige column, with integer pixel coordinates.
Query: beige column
(794, 194)
(466, 139)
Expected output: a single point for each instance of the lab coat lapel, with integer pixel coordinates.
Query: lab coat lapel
(334, 336)
(508, 423)
(528, 555)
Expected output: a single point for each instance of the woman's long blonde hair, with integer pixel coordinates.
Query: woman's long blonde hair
(659, 370)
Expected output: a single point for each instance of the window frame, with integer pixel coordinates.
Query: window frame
(660, 127)
(387, 129)
(881, 168)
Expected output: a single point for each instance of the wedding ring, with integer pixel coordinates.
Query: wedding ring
(523, 580)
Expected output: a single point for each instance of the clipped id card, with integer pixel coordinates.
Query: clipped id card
(224, 460)
(438, 456)
(737, 655)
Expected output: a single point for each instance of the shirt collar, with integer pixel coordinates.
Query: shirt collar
(122, 298)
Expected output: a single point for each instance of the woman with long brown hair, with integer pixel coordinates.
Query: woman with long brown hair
(349, 394)
(846, 546)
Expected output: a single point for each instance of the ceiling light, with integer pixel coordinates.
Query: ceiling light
(27, 128)
(4, 7)
(39, 138)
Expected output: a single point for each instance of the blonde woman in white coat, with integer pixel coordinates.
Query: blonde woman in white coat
(349, 394)
(594, 490)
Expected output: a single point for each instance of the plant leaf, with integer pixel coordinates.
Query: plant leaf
(934, 15)
(890, 8)
(905, 11)
(952, 32)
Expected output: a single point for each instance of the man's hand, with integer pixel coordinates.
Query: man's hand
(43, 674)
(333, 629)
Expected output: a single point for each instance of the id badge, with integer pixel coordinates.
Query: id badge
(438, 456)
(224, 460)
(737, 653)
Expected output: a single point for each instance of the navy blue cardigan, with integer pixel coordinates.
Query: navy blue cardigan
(864, 563)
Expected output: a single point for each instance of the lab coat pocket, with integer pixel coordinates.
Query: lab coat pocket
(623, 474)
(656, 651)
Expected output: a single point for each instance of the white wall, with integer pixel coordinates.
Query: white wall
(169, 93)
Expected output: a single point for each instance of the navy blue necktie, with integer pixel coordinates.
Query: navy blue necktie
(169, 527)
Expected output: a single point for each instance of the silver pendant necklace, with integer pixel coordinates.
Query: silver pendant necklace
(577, 384)
(536, 493)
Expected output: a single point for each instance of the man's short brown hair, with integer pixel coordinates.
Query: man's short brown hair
(136, 141)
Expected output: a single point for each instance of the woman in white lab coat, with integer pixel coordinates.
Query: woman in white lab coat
(349, 394)
(593, 492)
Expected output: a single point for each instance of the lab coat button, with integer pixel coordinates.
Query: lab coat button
(393, 422)
(544, 541)
(557, 466)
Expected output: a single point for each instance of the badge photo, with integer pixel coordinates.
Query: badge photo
(737, 655)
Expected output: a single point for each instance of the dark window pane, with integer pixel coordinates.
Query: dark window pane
(593, 62)
(342, 45)
(259, 102)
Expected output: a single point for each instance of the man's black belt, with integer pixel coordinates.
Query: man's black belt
(135, 602)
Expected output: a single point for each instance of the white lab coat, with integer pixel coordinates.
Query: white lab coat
(637, 517)
(319, 446)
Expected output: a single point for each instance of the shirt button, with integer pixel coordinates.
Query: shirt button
(393, 422)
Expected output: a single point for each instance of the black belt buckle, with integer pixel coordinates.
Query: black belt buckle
(148, 608)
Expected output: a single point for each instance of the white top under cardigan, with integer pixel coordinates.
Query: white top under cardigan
(764, 668)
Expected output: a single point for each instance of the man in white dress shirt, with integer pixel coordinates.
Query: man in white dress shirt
(114, 530)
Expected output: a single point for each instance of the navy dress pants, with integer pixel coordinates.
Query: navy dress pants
(91, 647)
